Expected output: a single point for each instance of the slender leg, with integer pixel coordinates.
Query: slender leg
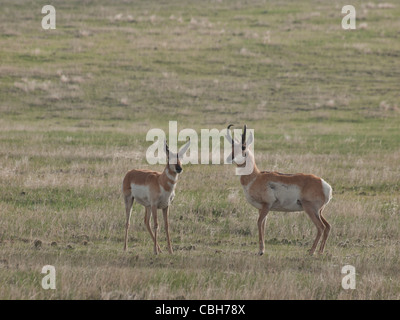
(155, 222)
(326, 231)
(261, 228)
(147, 216)
(165, 214)
(128, 209)
(315, 218)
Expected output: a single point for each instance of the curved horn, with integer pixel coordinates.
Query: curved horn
(228, 135)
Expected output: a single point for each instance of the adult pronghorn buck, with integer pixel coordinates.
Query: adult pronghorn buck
(274, 191)
(154, 190)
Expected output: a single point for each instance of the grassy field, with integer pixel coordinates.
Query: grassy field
(76, 104)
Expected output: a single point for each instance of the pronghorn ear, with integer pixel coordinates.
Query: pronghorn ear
(183, 149)
(250, 139)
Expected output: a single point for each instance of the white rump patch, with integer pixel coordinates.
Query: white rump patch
(327, 189)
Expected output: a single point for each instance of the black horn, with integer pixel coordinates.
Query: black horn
(244, 137)
(166, 146)
(229, 133)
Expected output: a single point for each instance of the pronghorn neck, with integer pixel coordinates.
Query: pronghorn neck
(246, 179)
(169, 177)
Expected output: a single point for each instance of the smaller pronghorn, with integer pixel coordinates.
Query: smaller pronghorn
(274, 191)
(154, 190)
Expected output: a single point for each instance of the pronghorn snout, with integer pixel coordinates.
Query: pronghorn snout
(239, 160)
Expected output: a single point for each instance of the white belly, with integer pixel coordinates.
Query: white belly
(284, 197)
(142, 195)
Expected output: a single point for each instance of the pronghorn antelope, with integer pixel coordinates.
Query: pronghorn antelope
(154, 190)
(274, 191)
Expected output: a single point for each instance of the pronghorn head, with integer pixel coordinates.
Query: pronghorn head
(174, 159)
(240, 148)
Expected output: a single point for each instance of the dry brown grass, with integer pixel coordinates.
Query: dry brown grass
(75, 107)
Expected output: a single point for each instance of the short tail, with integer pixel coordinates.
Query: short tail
(327, 189)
